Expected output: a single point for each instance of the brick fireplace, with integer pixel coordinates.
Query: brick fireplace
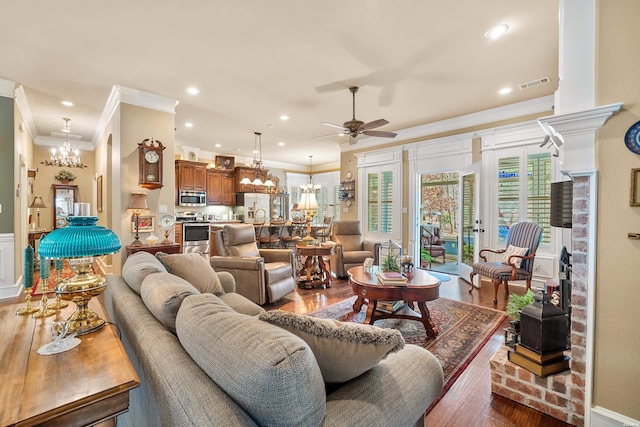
(561, 396)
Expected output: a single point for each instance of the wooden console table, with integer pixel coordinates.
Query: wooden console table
(82, 386)
(172, 248)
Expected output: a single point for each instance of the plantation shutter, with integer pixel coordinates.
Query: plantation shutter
(539, 192)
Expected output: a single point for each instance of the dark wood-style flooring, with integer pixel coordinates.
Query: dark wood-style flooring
(469, 402)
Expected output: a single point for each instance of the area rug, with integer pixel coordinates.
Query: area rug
(439, 276)
(463, 330)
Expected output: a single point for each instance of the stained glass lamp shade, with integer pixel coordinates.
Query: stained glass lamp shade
(80, 242)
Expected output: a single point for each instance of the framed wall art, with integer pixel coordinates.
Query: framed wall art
(635, 187)
(147, 224)
(225, 163)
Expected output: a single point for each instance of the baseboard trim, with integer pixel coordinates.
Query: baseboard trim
(601, 417)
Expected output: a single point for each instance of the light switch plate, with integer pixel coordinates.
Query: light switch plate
(162, 209)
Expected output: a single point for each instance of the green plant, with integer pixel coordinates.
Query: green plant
(64, 175)
(424, 254)
(390, 263)
(517, 303)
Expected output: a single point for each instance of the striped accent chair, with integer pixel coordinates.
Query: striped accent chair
(515, 264)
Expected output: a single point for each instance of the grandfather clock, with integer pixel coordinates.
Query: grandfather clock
(150, 164)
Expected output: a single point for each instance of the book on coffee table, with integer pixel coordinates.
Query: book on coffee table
(392, 278)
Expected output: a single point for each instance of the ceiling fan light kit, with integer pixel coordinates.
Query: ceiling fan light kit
(354, 127)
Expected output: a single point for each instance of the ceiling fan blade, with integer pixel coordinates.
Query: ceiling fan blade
(374, 124)
(380, 133)
(327, 136)
(334, 126)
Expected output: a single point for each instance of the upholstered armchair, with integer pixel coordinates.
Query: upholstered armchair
(262, 275)
(517, 258)
(350, 249)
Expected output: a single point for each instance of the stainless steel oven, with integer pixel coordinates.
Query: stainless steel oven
(195, 238)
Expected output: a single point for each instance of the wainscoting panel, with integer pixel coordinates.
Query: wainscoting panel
(8, 288)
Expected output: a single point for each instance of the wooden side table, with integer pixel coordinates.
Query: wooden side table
(82, 386)
(173, 248)
(316, 270)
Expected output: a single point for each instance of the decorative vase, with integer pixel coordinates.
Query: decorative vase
(64, 181)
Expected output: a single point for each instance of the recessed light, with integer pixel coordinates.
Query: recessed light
(284, 117)
(497, 31)
(188, 124)
(281, 144)
(217, 145)
(193, 90)
(67, 103)
(270, 126)
(505, 90)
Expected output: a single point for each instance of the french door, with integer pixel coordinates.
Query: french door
(470, 224)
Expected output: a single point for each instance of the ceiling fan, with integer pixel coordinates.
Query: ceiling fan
(355, 128)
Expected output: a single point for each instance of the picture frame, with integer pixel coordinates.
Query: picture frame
(147, 224)
(635, 187)
(225, 162)
(99, 193)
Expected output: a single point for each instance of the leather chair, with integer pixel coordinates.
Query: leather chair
(350, 250)
(523, 237)
(262, 275)
(431, 241)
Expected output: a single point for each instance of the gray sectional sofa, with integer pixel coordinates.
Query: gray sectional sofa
(206, 356)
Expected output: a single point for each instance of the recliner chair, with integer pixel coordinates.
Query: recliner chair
(350, 249)
(262, 275)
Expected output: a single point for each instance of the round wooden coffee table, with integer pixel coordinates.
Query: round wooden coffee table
(421, 287)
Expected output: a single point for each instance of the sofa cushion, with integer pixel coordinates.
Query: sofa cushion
(138, 266)
(241, 304)
(343, 350)
(163, 294)
(356, 257)
(269, 372)
(193, 268)
(514, 250)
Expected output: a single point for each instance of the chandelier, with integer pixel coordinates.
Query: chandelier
(257, 164)
(65, 156)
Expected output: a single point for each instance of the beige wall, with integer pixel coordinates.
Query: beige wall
(617, 336)
(135, 125)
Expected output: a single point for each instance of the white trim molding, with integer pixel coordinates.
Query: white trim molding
(8, 288)
(7, 88)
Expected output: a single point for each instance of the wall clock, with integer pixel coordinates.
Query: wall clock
(150, 164)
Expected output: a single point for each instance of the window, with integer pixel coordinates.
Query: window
(327, 196)
(529, 193)
(380, 209)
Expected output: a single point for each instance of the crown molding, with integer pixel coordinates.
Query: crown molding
(6, 88)
(134, 97)
(581, 122)
(511, 111)
(25, 110)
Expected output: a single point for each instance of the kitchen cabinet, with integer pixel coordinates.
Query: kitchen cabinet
(220, 188)
(178, 230)
(191, 175)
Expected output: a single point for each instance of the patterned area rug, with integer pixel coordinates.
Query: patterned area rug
(463, 330)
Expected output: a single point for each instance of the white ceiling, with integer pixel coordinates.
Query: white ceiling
(415, 61)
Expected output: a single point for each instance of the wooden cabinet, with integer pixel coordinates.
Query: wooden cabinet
(178, 230)
(191, 175)
(220, 188)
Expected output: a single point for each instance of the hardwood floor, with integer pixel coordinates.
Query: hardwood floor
(469, 402)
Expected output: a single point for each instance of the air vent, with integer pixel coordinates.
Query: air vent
(533, 83)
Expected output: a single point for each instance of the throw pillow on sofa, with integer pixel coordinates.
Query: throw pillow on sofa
(163, 294)
(343, 350)
(138, 266)
(269, 372)
(193, 268)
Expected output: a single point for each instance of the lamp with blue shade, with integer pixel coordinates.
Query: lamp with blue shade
(80, 242)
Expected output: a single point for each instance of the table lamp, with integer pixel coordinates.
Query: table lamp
(80, 242)
(308, 205)
(137, 206)
(38, 204)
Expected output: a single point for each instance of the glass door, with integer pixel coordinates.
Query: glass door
(470, 224)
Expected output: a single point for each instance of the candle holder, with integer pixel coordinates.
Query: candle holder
(28, 308)
(45, 310)
(59, 303)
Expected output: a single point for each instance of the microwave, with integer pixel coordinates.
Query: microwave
(192, 198)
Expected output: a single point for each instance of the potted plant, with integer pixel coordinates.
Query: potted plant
(64, 176)
(515, 305)
(390, 263)
(425, 258)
